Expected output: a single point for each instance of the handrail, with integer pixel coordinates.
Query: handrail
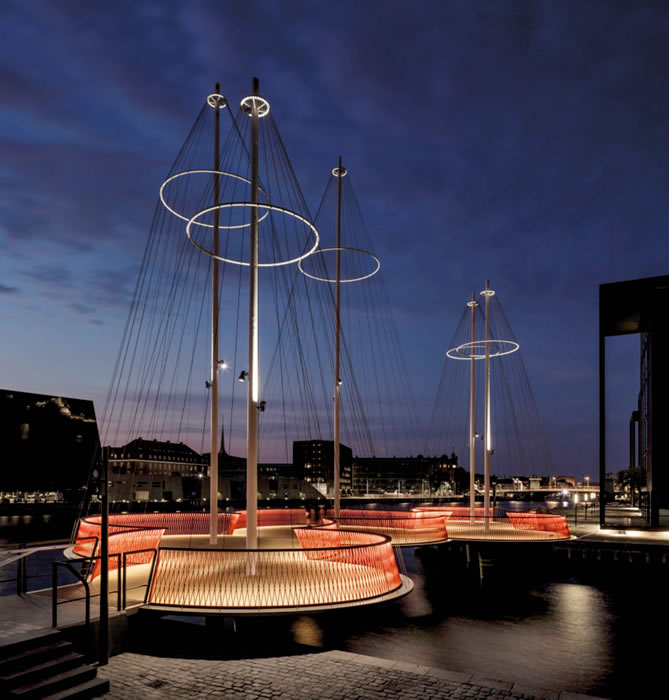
(21, 552)
(125, 577)
(77, 574)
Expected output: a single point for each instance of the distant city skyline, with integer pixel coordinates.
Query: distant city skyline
(523, 143)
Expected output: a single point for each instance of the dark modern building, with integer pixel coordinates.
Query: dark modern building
(313, 462)
(641, 306)
(411, 475)
(49, 444)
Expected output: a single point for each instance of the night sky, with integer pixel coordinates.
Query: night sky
(520, 141)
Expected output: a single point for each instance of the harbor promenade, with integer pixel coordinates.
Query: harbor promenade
(328, 675)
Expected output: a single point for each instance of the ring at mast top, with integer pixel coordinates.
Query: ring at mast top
(339, 172)
(488, 293)
(216, 101)
(260, 103)
(473, 302)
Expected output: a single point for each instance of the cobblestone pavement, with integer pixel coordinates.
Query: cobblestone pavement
(331, 675)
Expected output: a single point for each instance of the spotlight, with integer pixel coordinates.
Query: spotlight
(243, 375)
(261, 406)
(222, 364)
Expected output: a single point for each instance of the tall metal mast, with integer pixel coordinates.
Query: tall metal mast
(337, 382)
(253, 379)
(472, 434)
(213, 387)
(487, 293)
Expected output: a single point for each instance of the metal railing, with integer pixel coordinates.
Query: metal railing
(122, 560)
(332, 567)
(19, 554)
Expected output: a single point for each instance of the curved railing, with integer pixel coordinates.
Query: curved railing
(122, 538)
(333, 567)
(454, 512)
(526, 526)
(272, 517)
(405, 528)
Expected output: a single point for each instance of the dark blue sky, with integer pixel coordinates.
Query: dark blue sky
(521, 141)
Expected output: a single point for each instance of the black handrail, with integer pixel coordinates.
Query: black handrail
(69, 566)
(124, 585)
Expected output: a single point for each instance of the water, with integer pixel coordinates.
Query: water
(537, 619)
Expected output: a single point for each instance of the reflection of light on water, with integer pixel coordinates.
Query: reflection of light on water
(306, 631)
(554, 637)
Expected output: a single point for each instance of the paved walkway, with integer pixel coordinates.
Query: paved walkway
(331, 675)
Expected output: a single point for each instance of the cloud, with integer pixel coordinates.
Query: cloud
(4, 289)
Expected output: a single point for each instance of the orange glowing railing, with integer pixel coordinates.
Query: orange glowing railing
(511, 527)
(333, 566)
(542, 522)
(454, 512)
(178, 523)
(268, 517)
(122, 538)
(403, 527)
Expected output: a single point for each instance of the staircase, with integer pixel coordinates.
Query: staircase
(47, 667)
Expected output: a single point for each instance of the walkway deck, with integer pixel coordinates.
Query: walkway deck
(331, 675)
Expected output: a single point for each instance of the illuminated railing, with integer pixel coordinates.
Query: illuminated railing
(454, 512)
(178, 523)
(542, 522)
(272, 517)
(403, 527)
(333, 567)
(122, 539)
(513, 527)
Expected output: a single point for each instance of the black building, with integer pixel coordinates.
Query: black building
(640, 306)
(313, 462)
(49, 444)
(406, 475)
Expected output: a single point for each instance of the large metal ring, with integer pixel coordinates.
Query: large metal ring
(352, 279)
(262, 105)
(211, 172)
(471, 350)
(257, 205)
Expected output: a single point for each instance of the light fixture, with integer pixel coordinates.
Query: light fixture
(339, 382)
(261, 406)
(222, 364)
(242, 376)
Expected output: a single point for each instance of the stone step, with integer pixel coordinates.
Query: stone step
(89, 689)
(45, 669)
(33, 655)
(53, 684)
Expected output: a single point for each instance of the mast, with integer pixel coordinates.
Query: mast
(487, 293)
(337, 382)
(472, 435)
(213, 396)
(253, 379)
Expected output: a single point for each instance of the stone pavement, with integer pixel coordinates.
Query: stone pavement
(331, 675)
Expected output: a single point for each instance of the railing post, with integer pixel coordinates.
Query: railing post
(54, 594)
(125, 582)
(24, 571)
(118, 581)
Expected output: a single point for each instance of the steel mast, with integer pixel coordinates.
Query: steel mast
(337, 381)
(217, 103)
(472, 434)
(253, 379)
(487, 293)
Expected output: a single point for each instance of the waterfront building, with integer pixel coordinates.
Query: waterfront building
(313, 462)
(417, 475)
(49, 444)
(639, 306)
(155, 470)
